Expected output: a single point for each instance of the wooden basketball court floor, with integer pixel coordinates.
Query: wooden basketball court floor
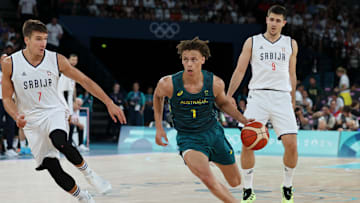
(163, 177)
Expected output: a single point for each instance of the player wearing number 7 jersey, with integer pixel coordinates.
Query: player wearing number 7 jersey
(272, 94)
(33, 74)
(193, 94)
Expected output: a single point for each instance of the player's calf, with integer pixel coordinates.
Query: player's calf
(58, 138)
(64, 180)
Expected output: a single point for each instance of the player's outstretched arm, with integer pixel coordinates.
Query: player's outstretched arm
(292, 71)
(224, 102)
(163, 89)
(115, 112)
(241, 67)
(8, 91)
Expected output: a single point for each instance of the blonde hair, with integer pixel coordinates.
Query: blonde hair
(341, 70)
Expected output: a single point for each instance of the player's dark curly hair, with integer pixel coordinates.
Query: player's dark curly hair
(194, 44)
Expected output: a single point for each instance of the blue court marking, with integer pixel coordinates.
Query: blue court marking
(344, 166)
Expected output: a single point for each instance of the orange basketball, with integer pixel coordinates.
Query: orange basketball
(254, 135)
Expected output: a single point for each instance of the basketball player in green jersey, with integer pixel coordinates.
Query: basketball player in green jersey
(193, 94)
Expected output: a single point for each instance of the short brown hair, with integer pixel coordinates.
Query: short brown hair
(194, 44)
(277, 9)
(33, 25)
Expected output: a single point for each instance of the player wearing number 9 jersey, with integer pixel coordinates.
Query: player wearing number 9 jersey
(272, 94)
(193, 94)
(32, 74)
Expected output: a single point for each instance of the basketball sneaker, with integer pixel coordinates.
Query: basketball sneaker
(248, 196)
(83, 148)
(11, 153)
(25, 151)
(101, 186)
(287, 194)
(85, 197)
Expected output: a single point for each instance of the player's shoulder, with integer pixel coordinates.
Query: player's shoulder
(249, 42)
(165, 81)
(6, 65)
(165, 86)
(7, 60)
(218, 82)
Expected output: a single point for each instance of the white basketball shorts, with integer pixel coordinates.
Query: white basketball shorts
(37, 134)
(276, 106)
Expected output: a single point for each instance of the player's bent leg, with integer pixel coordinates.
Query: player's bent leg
(64, 180)
(290, 160)
(58, 138)
(231, 173)
(198, 164)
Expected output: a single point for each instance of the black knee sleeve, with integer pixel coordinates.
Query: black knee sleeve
(58, 139)
(64, 180)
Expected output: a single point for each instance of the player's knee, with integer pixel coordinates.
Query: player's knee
(234, 182)
(58, 139)
(207, 179)
(291, 146)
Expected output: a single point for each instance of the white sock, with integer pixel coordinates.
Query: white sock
(248, 177)
(82, 195)
(5, 144)
(23, 143)
(288, 176)
(84, 168)
(15, 143)
(77, 192)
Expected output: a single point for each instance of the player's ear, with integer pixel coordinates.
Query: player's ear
(284, 22)
(26, 40)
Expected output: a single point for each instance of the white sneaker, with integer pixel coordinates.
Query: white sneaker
(85, 197)
(11, 153)
(101, 186)
(83, 148)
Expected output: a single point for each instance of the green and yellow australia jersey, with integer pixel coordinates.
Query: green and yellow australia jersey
(193, 113)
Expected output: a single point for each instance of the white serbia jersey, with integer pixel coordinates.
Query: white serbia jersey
(36, 87)
(270, 63)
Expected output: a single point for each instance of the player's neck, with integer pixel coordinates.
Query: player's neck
(32, 58)
(272, 38)
(192, 79)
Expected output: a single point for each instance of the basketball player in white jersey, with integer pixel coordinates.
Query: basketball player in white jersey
(33, 74)
(66, 85)
(271, 96)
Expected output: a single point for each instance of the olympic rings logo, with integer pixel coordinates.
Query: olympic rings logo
(164, 30)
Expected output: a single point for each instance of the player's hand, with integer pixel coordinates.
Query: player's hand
(116, 113)
(20, 120)
(160, 135)
(245, 120)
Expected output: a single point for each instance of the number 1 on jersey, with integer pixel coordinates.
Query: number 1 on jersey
(39, 95)
(194, 112)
